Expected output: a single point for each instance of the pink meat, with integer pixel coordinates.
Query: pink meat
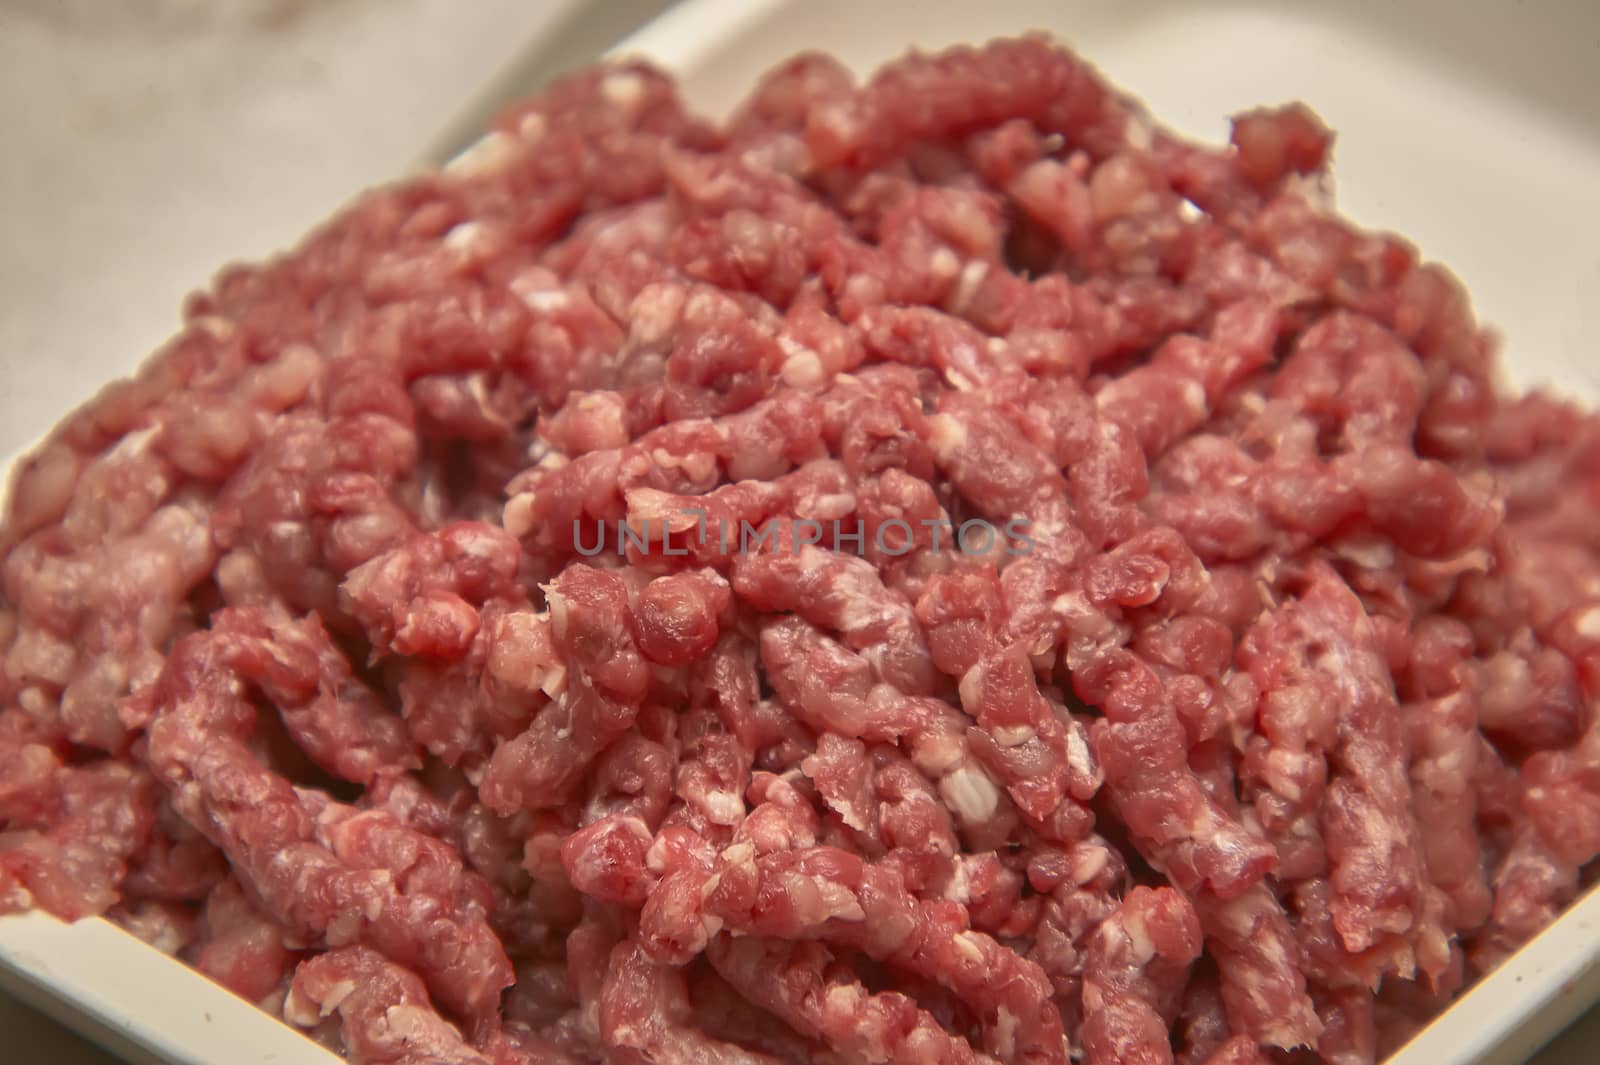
(1262, 976)
(240, 947)
(359, 875)
(934, 569)
(1134, 975)
(385, 1017)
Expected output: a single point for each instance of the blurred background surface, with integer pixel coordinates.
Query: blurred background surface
(146, 142)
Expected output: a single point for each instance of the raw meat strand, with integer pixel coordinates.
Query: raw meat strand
(422, 598)
(335, 719)
(913, 824)
(477, 657)
(1443, 753)
(459, 709)
(1327, 962)
(727, 1015)
(1285, 764)
(1084, 883)
(241, 947)
(605, 677)
(1531, 886)
(1349, 1029)
(1044, 759)
(1366, 818)
(74, 668)
(199, 722)
(1137, 964)
(1237, 1050)
(178, 864)
(801, 984)
(846, 595)
(645, 1014)
(919, 100)
(69, 848)
(549, 504)
(1259, 967)
(1201, 1020)
(830, 689)
(1177, 825)
(167, 926)
(832, 894)
(385, 1017)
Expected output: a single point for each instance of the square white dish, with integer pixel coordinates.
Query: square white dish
(1486, 156)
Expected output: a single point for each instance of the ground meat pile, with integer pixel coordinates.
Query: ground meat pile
(937, 570)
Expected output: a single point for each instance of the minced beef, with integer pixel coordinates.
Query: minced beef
(935, 570)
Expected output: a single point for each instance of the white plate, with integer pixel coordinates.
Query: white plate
(1476, 136)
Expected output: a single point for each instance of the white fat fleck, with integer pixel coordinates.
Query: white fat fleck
(484, 156)
(298, 1011)
(723, 807)
(813, 558)
(1368, 554)
(803, 369)
(1013, 735)
(1070, 604)
(1004, 1034)
(842, 999)
(1382, 832)
(1194, 397)
(972, 275)
(1588, 623)
(1088, 863)
(532, 127)
(654, 312)
(834, 504)
(1139, 133)
(335, 997)
(1078, 756)
(958, 380)
(1141, 946)
(623, 89)
(959, 889)
(554, 682)
(739, 854)
(410, 1023)
(133, 444)
(18, 896)
(970, 688)
(971, 794)
(219, 328)
(841, 904)
(947, 435)
(463, 235)
(656, 856)
(944, 264)
(517, 515)
(557, 604)
(1188, 211)
(1273, 947)
(545, 300)
(969, 946)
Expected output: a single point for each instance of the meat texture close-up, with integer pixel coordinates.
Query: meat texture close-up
(934, 569)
